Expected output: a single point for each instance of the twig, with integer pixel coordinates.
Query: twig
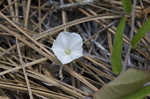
(24, 71)
(11, 8)
(16, 11)
(26, 65)
(73, 5)
(101, 47)
(60, 72)
(64, 14)
(27, 13)
(131, 35)
(109, 42)
(39, 13)
(100, 31)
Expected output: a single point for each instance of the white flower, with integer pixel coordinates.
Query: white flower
(88, 1)
(68, 47)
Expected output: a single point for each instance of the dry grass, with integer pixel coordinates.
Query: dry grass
(29, 69)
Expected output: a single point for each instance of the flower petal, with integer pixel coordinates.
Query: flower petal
(57, 45)
(66, 40)
(76, 54)
(59, 54)
(62, 57)
(67, 59)
(61, 41)
(76, 41)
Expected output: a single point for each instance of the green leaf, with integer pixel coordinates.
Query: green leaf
(139, 94)
(141, 33)
(125, 84)
(127, 6)
(116, 58)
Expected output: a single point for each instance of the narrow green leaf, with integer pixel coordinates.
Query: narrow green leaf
(125, 84)
(141, 33)
(116, 58)
(127, 6)
(139, 94)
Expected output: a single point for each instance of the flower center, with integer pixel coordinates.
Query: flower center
(67, 51)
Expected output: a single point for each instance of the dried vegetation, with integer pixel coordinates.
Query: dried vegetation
(29, 69)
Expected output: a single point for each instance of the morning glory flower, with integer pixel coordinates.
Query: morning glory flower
(68, 47)
(88, 1)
